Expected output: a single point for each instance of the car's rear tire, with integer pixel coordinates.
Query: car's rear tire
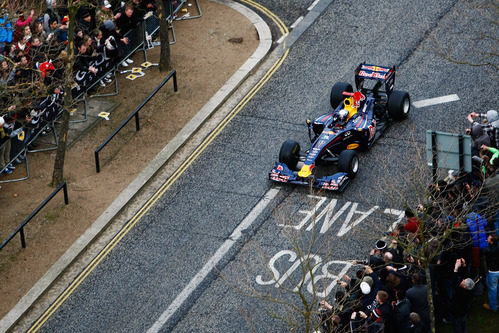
(337, 90)
(290, 154)
(348, 162)
(399, 104)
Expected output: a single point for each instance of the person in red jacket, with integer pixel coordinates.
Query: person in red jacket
(21, 23)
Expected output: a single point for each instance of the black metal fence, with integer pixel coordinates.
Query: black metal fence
(20, 229)
(135, 114)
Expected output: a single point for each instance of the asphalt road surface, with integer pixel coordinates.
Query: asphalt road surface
(207, 256)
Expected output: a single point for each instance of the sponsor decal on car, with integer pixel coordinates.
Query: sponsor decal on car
(375, 75)
(375, 68)
(353, 146)
(276, 176)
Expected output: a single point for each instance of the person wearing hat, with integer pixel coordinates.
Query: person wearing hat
(86, 22)
(104, 13)
(462, 297)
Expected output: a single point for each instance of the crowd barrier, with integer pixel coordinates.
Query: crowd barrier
(20, 228)
(87, 82)
(135, 114)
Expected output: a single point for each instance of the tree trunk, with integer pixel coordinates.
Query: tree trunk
(164, 57)
(58, 173)
(430, 298)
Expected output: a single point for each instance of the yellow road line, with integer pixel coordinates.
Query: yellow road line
(148, 205)
(280, 24)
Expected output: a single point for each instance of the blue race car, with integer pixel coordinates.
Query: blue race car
(356, 121)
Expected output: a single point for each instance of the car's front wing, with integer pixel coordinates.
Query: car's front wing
(282, 174)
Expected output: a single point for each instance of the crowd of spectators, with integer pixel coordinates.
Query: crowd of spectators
(448, 246)
(33, 53)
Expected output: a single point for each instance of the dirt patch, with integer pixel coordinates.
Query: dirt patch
(204, 59)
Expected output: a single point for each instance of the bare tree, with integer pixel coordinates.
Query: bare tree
(164, 58)
(58, 173)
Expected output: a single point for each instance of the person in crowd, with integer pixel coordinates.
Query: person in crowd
(104, 13)
(37, 52)
(418, 296)
(83, 61)
(27, 33)
(491, 258)
(6, 73)
(128, 20)
(415, 323)
(358, 319)
(380, 313)
(335, 318)
(462, 297)
(39, 31)
(5, 149)
(479, 137)
(14, 128)
(24, 45)
(116, 43)
(476, 227)
(21, 23)
(490, 123)
(22, 71)
(53, 31)
(50, 15)
(401, 311)
(6, 30)
(86, 23)
(9, 53)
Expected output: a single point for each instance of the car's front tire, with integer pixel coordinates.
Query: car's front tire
(337, 90)
(399, 104)
(348, 162)
(290, 154)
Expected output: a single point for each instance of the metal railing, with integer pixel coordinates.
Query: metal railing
(135, 114)
(20, 229)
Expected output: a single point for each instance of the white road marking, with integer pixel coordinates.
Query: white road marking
(212, 263)
(298, 20)
(436, 100)
(313, 5)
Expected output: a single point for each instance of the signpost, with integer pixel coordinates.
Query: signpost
(448, 151)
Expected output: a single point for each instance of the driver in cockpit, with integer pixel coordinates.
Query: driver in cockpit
(340, 119)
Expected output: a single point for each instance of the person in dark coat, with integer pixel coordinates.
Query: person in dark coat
(462, 297)
(401, 312)
(128, 19)
(380, 314)
(418, 296)
(86, 23)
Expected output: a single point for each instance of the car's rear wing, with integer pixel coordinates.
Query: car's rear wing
(381, 74)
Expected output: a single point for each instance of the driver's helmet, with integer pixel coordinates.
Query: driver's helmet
(342, 118)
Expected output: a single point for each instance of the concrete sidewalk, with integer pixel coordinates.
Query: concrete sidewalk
(79, 130)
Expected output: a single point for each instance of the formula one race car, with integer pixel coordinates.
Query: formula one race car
(357, 120)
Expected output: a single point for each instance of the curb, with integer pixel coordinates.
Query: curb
(159, 160)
